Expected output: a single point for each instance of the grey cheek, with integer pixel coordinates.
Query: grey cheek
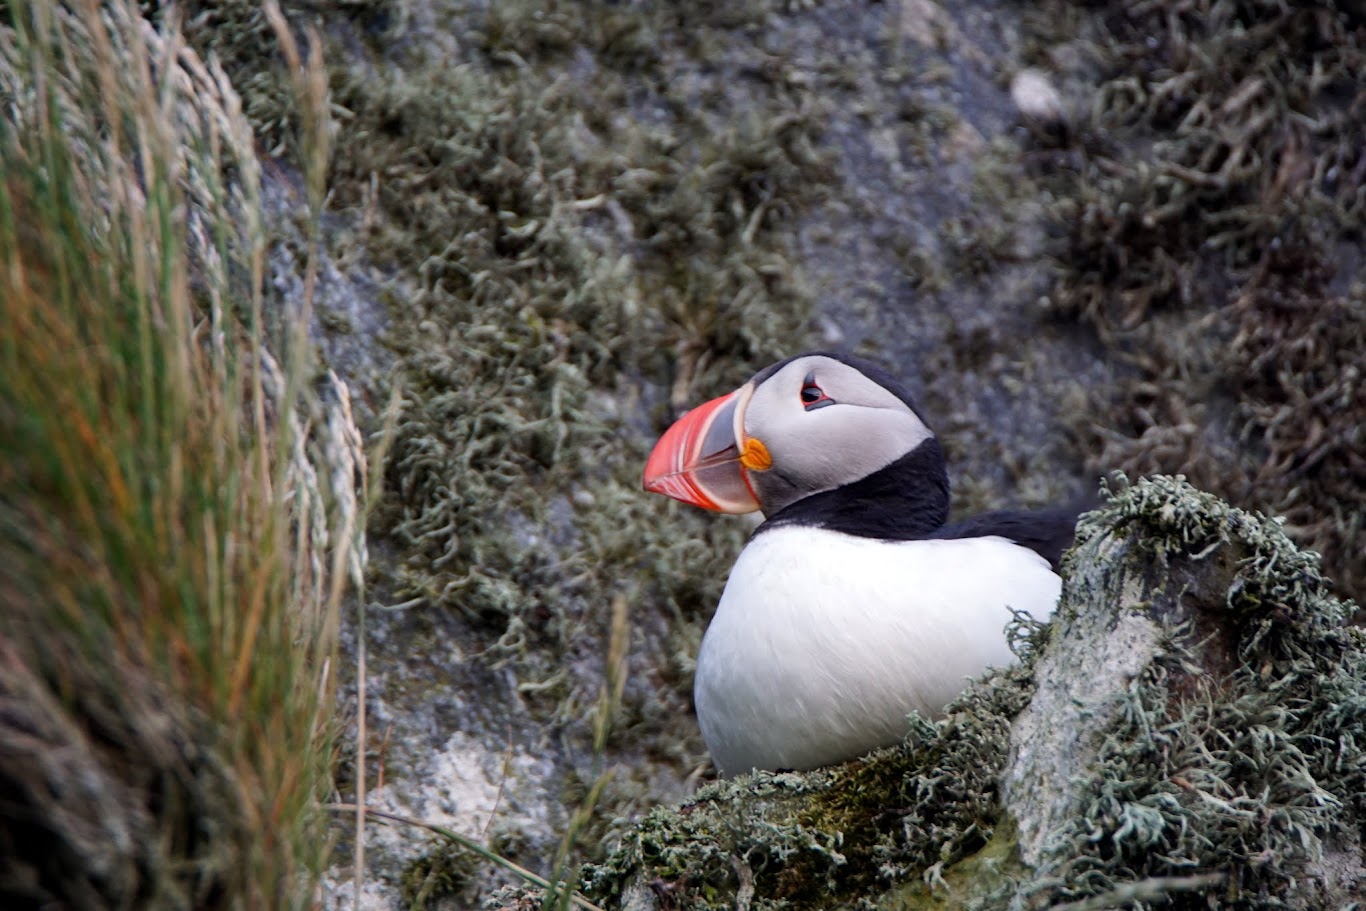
(776, 489)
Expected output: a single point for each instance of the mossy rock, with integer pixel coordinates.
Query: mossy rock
(1188, 733)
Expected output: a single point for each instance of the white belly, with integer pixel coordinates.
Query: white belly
(824, 642)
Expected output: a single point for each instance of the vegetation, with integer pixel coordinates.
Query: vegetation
(1207, 216)
(1235, 751)
(179, 489)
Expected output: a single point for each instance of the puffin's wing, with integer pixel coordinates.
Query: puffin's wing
(1047, 532)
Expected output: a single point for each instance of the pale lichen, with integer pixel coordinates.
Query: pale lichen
(1238, 746)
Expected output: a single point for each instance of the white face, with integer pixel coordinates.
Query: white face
(825, 424)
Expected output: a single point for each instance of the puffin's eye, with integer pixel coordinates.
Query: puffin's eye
(814, 396)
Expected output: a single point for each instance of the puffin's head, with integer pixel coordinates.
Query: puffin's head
(808, 424)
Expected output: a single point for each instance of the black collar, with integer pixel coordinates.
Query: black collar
(903, 501)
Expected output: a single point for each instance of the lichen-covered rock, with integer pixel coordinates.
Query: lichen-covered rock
(1201, 709)
(1191, 730)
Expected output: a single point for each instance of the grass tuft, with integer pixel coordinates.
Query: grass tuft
(179, 488)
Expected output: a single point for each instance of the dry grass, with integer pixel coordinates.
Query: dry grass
(180, 501)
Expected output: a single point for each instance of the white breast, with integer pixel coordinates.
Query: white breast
(823, 642)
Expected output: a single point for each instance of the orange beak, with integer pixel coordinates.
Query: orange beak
(703, 458)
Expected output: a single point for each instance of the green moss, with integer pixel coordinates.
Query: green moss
(553, 248)
(444, 871)
(992, 871)
(1002, 211)
(239, 36)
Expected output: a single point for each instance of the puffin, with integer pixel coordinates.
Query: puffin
(854, 603)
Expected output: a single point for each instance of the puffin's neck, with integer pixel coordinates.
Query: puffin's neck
(905, 500)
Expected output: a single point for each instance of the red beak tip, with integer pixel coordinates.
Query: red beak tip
(689, 462)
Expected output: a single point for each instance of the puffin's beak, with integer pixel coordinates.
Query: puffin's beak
(702, 458)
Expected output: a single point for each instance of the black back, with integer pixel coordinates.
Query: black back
(1047, 532)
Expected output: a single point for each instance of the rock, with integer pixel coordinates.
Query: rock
(1039, 103)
